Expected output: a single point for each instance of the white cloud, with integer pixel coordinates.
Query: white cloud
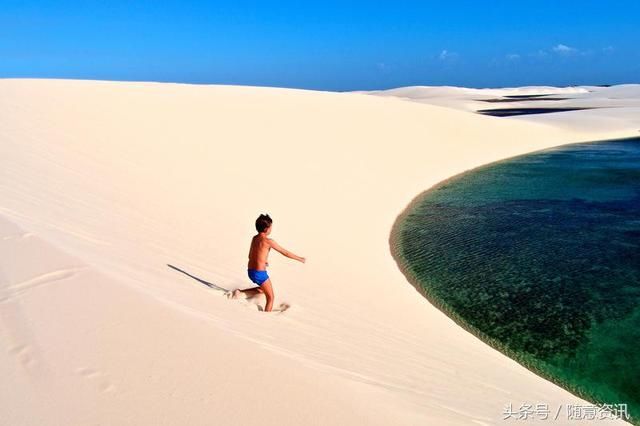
(563, 49)
(513, 56)
(446, 55)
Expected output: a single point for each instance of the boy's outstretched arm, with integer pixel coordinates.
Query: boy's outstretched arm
(285, 252)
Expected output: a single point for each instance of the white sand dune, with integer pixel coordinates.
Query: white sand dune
(105, 184)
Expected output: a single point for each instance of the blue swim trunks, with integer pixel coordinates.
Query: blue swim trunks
(258, 277)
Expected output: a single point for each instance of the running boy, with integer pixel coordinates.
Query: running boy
(258, 260)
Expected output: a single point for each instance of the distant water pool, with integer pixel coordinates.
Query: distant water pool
(539, 256)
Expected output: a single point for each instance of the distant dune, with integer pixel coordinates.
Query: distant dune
(613, 108)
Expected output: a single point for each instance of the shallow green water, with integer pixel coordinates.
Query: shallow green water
(539, 256)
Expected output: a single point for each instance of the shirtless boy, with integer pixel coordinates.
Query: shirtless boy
(258, 260)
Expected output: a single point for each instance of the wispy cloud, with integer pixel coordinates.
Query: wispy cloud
(563, 49)
(559, 50)
(446, 55)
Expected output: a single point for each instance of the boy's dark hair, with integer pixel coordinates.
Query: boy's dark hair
(263, 222)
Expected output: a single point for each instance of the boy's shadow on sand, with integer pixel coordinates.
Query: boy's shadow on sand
(207, 283)
(279, 309)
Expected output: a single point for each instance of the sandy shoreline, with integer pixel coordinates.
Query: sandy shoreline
(103, 184)
(408, 271)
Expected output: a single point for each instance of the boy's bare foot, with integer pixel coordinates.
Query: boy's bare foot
(235, 294)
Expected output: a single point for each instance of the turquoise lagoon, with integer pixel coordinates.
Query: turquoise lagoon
(539, 256)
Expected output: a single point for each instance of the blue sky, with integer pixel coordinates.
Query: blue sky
(327, 45)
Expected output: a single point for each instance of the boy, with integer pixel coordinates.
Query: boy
(258, 260)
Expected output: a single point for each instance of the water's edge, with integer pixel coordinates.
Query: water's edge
(395, 247)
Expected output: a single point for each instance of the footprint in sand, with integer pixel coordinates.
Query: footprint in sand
(280, 309)
(94, 375)
(89, 373)
(283, 307)
(22, 352)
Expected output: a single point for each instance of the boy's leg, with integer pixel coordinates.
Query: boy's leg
(267, 289)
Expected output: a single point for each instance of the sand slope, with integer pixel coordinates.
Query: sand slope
(105, 184)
